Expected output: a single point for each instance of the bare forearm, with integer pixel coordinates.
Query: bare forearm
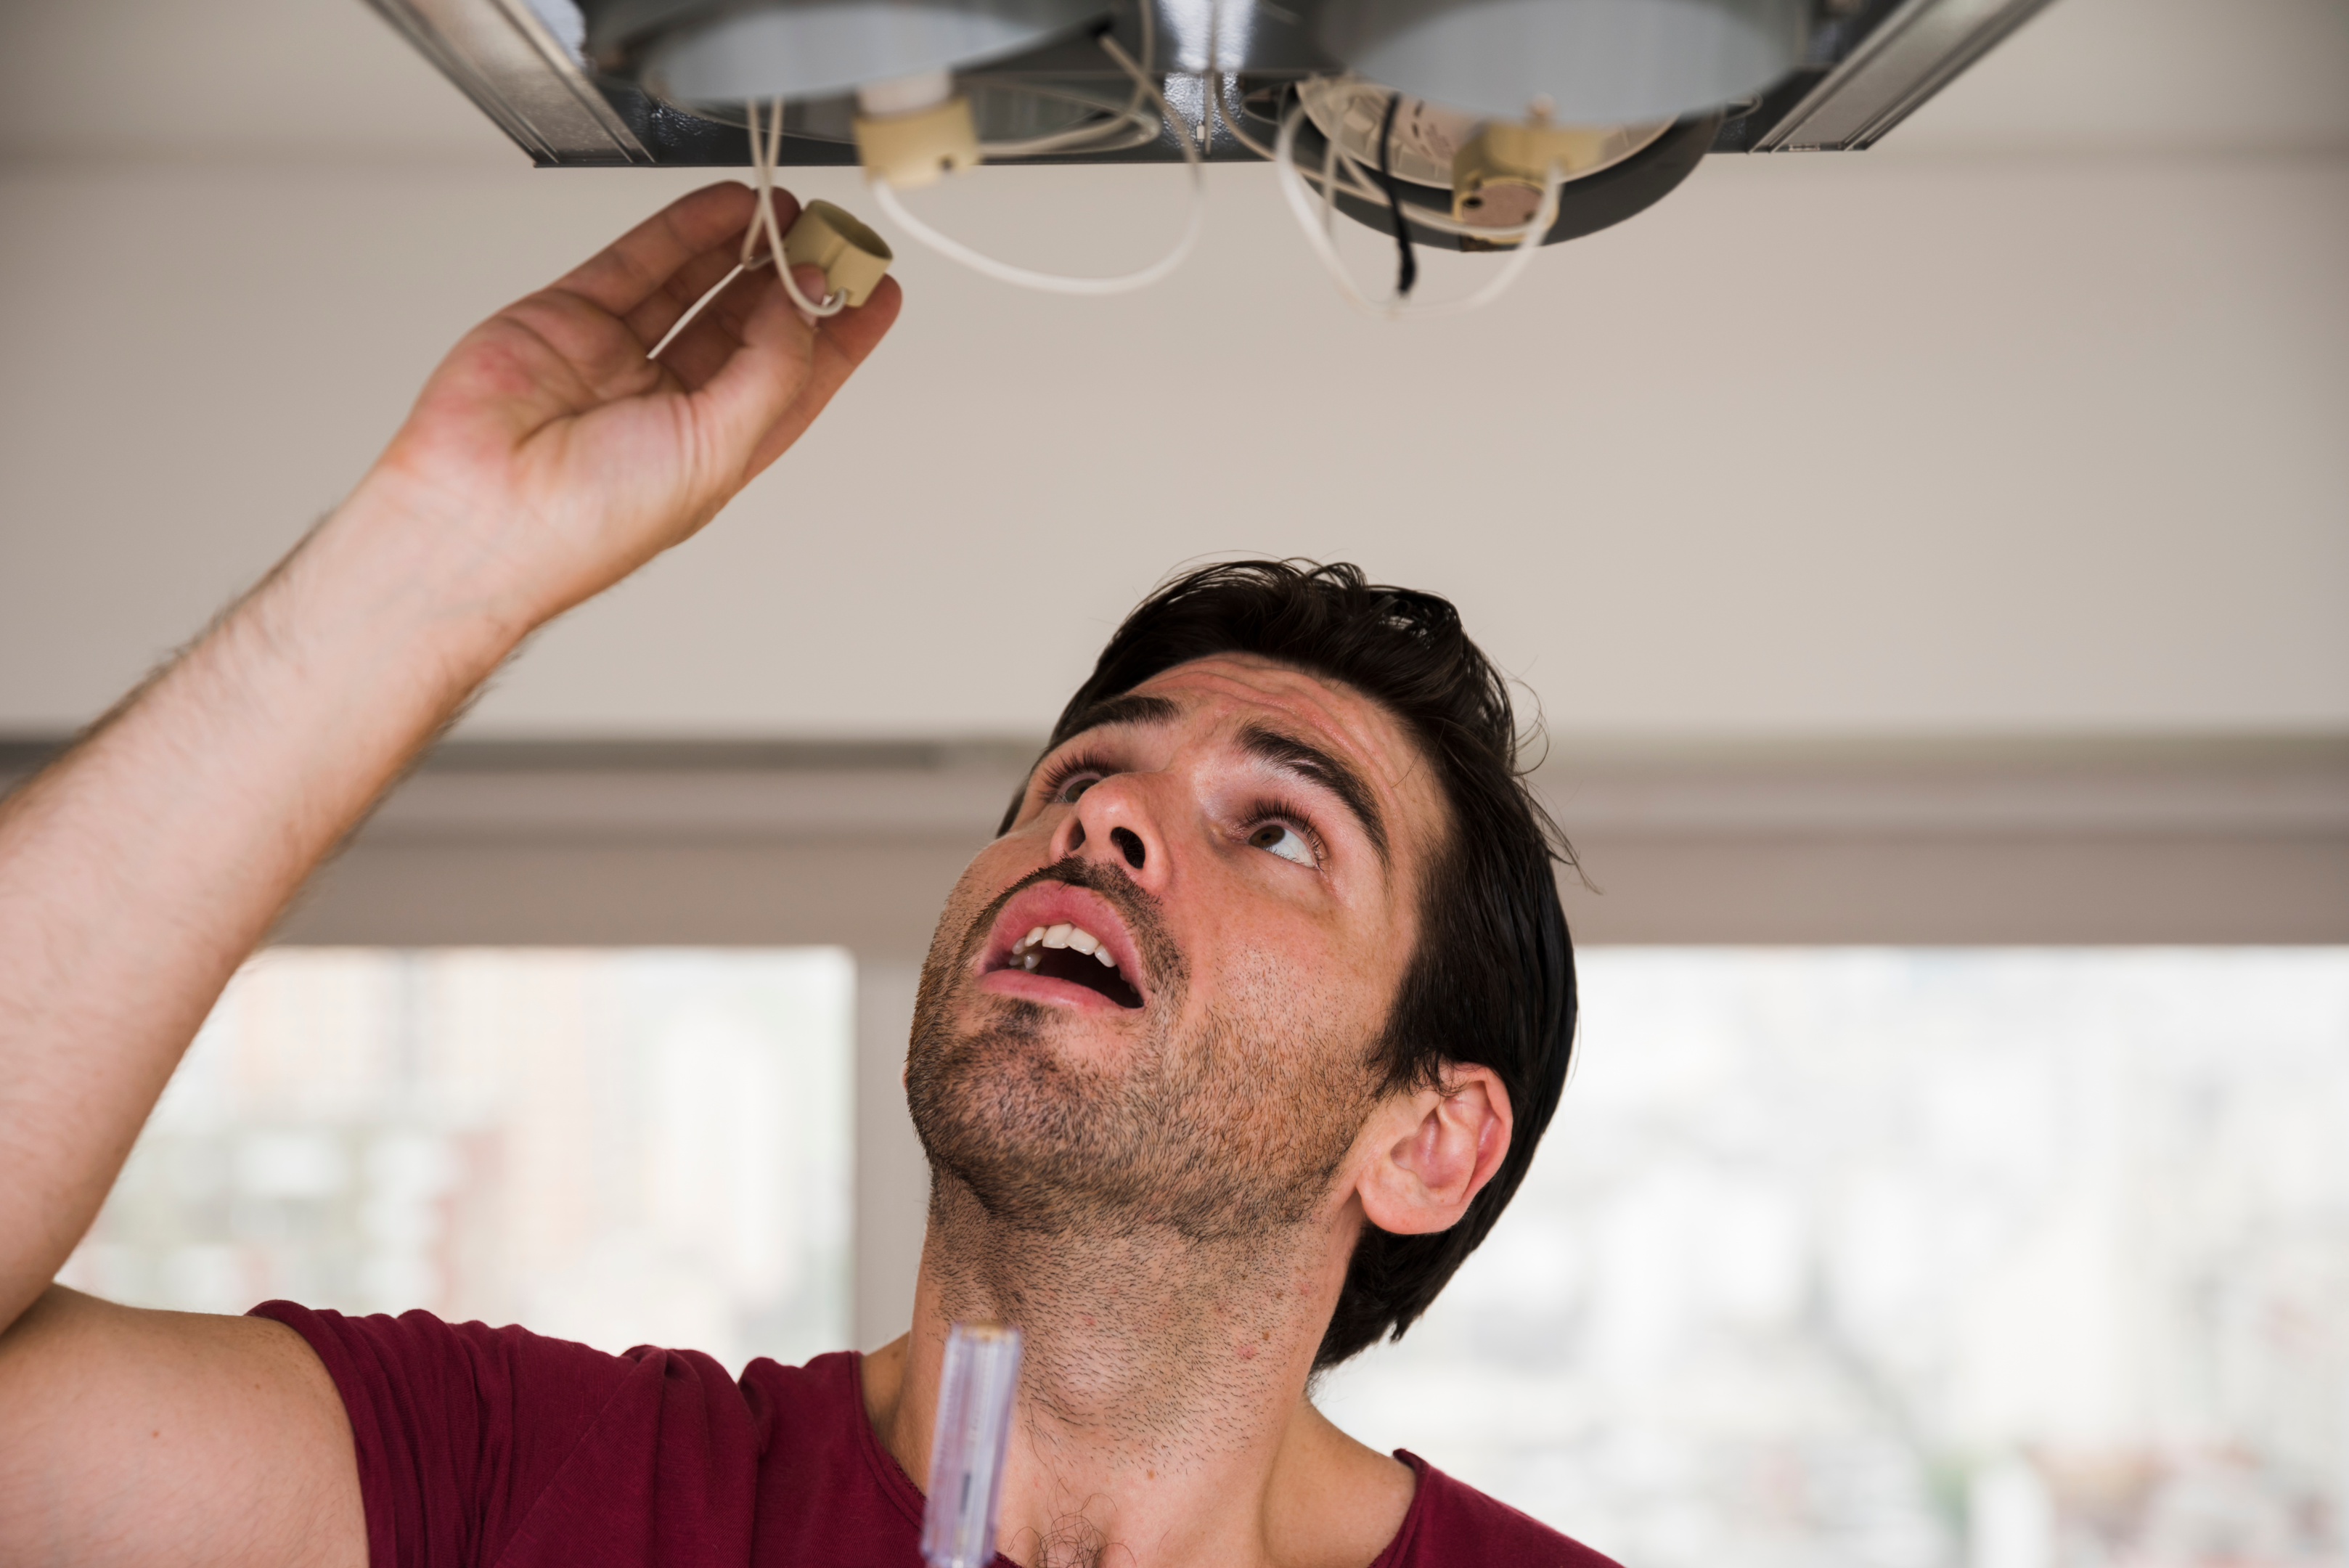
(547, 457)
(137, 872)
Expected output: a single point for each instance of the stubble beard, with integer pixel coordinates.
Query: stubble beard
(1228, 1131)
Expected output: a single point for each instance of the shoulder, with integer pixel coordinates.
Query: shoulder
(416, 1372)
(476, 1443)
(1453, 1525)
(817, 1402)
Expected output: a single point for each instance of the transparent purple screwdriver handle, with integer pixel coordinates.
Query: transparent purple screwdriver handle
(975, 1386)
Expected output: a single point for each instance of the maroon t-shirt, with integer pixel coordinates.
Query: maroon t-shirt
(494, 1447)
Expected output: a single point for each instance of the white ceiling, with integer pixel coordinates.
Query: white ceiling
(2030, 422)
(325, 78)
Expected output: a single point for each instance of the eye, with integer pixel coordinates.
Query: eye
(1065, 780)
(1284, 841)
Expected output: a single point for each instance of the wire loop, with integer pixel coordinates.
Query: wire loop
(1318, 230)
(766, 150)
(1056, 282)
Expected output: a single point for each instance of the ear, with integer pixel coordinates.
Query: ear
(1431, 1150)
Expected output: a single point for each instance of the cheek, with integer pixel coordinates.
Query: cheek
(1299, 979)
(1006, 860)
(1242, 908)
(1327, 948)
(997, 865)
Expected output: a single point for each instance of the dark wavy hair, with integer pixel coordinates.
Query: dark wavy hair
(1492, 980)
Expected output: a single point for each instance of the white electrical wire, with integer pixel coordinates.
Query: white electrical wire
(1317, 232)
(1055, 283)
(1140, 129)
(766, 157)
(682, 322)
(766, 150)
(1132, 127)
(1354, 180)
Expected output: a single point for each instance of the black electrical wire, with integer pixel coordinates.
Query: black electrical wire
(1407, 266)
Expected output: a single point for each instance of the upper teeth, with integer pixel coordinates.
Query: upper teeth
(1027, 952)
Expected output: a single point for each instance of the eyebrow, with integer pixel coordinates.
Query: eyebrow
(1316, 766)
(1132, 708)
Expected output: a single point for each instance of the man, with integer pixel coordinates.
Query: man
(1229, 1047)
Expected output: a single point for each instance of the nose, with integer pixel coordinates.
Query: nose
(1113, 822)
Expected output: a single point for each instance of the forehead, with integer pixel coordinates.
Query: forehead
(1225, 692)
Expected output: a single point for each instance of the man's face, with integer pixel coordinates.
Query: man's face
(1245, 843)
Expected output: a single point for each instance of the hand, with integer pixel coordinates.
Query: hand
(554, 459)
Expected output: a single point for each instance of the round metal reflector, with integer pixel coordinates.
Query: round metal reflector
(811, 48)
(1581, 62)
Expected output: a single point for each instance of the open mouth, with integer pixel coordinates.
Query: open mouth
(1067, 952)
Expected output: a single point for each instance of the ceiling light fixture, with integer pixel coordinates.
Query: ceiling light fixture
(1480, 126)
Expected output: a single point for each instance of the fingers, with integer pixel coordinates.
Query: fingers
(756, 372)
(705, 346)
(638, 265)
(690, 245)
(751, 387)
(764, 397)
(854, 333)
(651, 320)
(842, 343)
(702, 349)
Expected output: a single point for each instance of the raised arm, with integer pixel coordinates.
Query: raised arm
(544, 461)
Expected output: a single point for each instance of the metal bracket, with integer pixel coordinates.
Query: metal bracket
(1905, 60)
(504, 56)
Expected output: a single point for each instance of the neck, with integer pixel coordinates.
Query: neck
(1162, 1415)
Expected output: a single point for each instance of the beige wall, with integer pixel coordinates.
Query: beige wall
(2028, 424)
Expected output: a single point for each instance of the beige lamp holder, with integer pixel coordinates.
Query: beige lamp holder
(1498, 174)
(909, 151)
(854, 258)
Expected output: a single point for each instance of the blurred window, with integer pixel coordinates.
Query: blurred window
(1833, 1259)
(617, 1147)
(1891, 1259)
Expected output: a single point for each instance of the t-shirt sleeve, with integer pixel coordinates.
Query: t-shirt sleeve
(496, 1446)
(1453, 1525)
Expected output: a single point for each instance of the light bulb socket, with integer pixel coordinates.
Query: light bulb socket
(906, 151)
(853, 258)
